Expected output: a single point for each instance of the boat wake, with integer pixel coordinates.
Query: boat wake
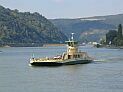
(111, 59)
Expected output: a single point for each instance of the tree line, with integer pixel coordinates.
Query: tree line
(115, 37)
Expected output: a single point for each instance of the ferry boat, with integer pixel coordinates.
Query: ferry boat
(71, 57)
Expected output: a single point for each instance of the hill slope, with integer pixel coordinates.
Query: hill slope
(89, 29)
(17, 28)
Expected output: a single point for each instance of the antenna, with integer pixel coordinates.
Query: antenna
(72, 35)
(33, 55)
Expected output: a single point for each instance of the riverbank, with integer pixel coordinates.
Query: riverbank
(22, 45)
(47, 45)
(30, 45)
(108, 46)
(114, 47)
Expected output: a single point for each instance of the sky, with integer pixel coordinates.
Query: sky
(66, 8)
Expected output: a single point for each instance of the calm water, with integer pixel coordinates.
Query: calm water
(104, 75)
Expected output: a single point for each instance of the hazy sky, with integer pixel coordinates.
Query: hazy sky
(66, 8)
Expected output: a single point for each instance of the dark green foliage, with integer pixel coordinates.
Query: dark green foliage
(27, 28)
(118, 42)
(115, 37)
(119, 33)
(110, 36)
(119, 39)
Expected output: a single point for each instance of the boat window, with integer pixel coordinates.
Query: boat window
(69, 43)
(72, 44)
(69, 57)
(75, 56)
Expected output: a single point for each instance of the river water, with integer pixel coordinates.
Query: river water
(103, 75)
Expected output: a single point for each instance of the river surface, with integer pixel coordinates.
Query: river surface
(103, 75)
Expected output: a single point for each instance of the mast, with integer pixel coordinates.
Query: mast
(72, 36)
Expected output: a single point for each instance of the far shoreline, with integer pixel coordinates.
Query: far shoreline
(32, 45)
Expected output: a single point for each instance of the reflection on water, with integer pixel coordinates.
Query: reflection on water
(103, 75)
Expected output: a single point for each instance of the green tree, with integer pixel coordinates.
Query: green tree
(110, 36)
(119, 34)
(115, 37)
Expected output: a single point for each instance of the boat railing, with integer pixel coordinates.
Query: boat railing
(45, 59)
